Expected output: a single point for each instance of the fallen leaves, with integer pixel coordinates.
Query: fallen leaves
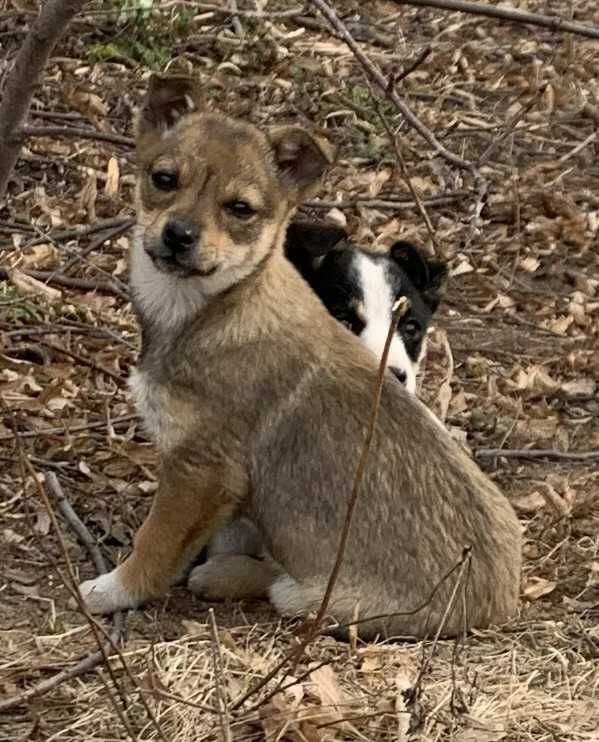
(31, 287)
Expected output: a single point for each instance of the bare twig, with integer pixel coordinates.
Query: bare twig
(23, 78)
(389, 203)
(52, 482)
(70, 582)
(579, 147)
(84, 361)
(236, 23)
(71, 132)
(507, 14)
(217, 660)
(464, 566)
(85, 284)
(66, 510)
(76, 232)
(403, 170)
(95, 244)
(65, 430)
(398, 312)
(379, 79)
(537, 453)
(509, 128)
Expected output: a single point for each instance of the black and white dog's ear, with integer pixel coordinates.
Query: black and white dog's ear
(427, 275)
(314, 239)
(307, 243)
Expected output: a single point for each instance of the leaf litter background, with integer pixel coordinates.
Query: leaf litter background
(513, 362)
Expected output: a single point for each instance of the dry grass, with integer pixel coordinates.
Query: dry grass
(513, 363)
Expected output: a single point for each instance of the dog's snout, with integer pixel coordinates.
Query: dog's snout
(179, 236)
(399, 374)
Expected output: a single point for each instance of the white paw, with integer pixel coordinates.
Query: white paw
(106, 594)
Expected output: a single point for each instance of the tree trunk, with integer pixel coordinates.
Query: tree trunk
(24, 77)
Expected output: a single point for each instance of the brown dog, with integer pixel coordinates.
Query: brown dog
(259, 402)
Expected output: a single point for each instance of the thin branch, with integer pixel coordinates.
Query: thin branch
(398, 312)
(84, 361)
(536, 453)
(394, 204)
(379, 79)
(72, 234)
(52, 481)
(95, 244)
(105, 287)
(507, 14)
(65, 430)
(71, 132)
(217, 661)
(23, 78)
(403, 170)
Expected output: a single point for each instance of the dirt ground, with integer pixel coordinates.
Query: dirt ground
(513, 364)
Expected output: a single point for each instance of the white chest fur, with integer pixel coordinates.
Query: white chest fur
(156, 408)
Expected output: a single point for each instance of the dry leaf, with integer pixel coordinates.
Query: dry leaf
(528, 503)
(111, 186)
(536, 587)
(87, 198)
(40, 257)
(28, 286)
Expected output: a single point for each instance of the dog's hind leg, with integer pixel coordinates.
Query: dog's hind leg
(234, 577)
(291, 597)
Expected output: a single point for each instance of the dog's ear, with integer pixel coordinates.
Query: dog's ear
(314, 239)
(428, 276)
(301, 159)
(169, 98)
(306, 244)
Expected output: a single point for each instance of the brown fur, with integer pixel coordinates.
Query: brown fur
(259, 401)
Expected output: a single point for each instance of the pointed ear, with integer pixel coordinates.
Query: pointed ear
(169, 98)
(428, 276)
(410, 259)
(313, 238)
(301, 159)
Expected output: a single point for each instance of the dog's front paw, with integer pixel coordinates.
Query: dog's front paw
(106, 594)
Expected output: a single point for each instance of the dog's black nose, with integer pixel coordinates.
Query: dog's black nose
(399, 374)
(179, 236)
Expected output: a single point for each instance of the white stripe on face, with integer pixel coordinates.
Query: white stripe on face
(377, 301)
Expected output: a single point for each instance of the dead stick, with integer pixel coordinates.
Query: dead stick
(507, 14)
(398, 312)
(394, 204)
(23, 78)
(217, 660)
(53, 483)
(76, 232)
(84, 361)
(94, 245)
(311, 628)
(403, 170)
(74, 521)
(84, 284)
(65, 430)
(377, 77)
(72, 132)
(536, 453)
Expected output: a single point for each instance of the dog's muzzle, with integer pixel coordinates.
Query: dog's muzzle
(175, 251)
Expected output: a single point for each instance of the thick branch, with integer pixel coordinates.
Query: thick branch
(508, 14)
(24, 77)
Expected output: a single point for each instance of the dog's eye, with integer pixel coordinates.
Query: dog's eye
(240, 209)
(412, 328)
(164, 181)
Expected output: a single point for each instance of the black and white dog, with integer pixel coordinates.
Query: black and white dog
(360, 288)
